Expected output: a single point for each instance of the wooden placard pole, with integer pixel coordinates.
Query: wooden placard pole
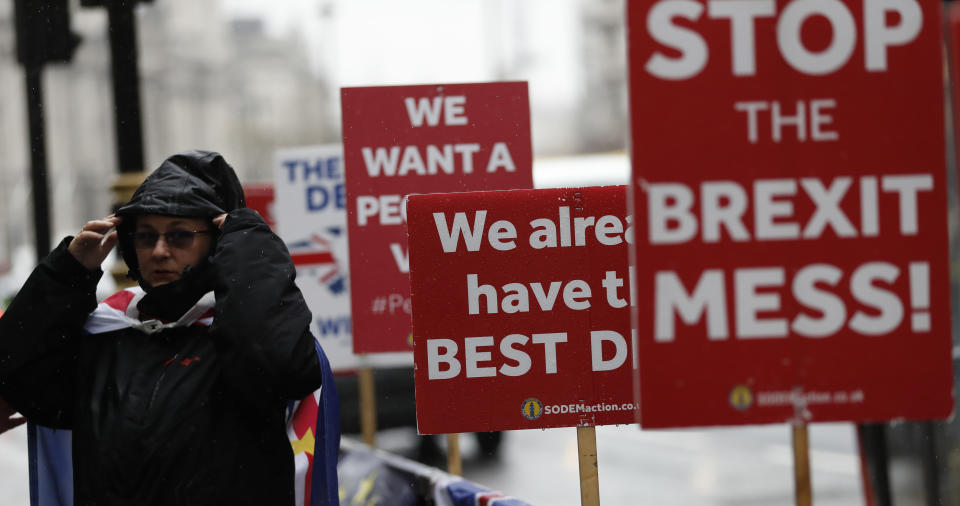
(801, 465)
(589, 474)
(368, 406)
(454, 460)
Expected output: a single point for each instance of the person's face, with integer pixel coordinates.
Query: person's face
(166, 245)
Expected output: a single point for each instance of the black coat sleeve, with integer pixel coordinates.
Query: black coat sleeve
(40, 338)
(261, 325)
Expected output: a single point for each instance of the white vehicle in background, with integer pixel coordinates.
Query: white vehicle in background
(599, 169)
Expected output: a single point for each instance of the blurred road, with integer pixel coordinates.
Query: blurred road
(716, 467)
(14, 485)
(709, 467)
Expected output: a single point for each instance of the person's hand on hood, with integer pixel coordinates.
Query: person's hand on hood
(218, 221)
(95, 241)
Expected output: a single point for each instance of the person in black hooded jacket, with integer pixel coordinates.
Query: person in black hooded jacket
(166, 410)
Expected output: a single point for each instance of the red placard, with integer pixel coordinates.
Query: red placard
(399, 140)
(521, 315)
(259, 197)
(789, 183)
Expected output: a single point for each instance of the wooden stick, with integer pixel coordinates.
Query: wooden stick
(801, 465)
(589, 474)
(454, 461)
(368, 406)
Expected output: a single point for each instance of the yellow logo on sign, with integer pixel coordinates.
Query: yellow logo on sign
(741, 397)
(531, 408)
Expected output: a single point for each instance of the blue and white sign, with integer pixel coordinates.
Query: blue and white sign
(311, 218)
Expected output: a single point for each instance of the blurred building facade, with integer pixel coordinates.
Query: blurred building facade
(214, 79)
(206, 82)
(605, 107)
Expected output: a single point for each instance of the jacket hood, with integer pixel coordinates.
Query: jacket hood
(195, 184)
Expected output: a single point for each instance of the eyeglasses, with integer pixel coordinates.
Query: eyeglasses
(179, 239)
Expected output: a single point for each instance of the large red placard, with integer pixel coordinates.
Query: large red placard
(521, 315)
(399, 140)
(789, 188)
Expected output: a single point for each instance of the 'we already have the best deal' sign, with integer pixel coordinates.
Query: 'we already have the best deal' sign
(521, 314)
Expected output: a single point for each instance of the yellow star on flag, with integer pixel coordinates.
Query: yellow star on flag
(305, 444)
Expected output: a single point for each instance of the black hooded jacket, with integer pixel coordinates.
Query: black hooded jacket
(188, 416)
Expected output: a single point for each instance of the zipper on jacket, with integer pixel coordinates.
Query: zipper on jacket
(156, 386)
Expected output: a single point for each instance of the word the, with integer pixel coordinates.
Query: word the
(317, 169)
(779, 119)
(326, 176)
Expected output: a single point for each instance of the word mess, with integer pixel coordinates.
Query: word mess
(761, 295)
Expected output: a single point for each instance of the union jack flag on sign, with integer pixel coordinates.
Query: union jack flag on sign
(460, 492)
(315, 253)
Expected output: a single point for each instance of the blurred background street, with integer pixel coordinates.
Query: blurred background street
(715, 467)
(248, 78)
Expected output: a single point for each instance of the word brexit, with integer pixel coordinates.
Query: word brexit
(724, 205)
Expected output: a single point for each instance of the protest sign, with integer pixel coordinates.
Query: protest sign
(789, 188)
(259, 197)
(311, 215)
(418, 139)
(521, 309)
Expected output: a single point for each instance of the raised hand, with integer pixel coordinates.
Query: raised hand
(94, 242)
(218, 221)
(7, 420)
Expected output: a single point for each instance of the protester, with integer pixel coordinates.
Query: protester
(7, 419)
(177, 392)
